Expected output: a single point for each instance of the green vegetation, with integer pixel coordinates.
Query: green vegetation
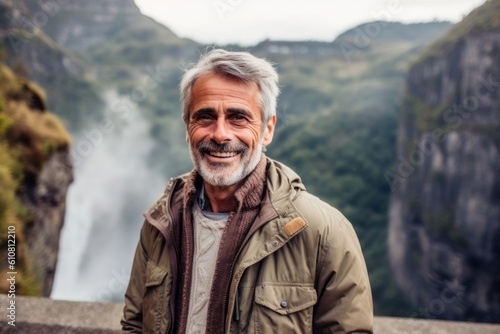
(425, 118)
(27, 138)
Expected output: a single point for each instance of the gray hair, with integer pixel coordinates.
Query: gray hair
(240, 65)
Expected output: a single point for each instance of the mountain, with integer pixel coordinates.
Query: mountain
(444, 214)
(72, 93)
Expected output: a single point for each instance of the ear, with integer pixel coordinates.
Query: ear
(187, 137)
(269, 131)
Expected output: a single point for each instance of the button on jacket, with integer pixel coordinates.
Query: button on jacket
(300, 271)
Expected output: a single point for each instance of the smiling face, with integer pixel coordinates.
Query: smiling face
(225, 131)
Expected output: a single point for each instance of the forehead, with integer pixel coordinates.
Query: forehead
(215, 87)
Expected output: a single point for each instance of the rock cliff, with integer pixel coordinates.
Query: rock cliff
(444, 231)
(35, 172)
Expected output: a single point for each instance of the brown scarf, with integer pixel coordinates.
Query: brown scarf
(248, 200)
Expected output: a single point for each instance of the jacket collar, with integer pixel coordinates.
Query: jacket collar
(283, 186)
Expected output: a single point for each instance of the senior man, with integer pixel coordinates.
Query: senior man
(238, 245)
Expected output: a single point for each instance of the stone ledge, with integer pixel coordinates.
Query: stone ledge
(44, 316)
(47, 316)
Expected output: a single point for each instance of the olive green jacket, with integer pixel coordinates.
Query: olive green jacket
(299, 270)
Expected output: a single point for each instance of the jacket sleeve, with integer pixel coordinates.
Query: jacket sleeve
(132, 312)
(345, 302)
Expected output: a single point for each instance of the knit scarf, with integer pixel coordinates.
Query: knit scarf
(248, 198)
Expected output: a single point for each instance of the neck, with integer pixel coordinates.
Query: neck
(221, 198)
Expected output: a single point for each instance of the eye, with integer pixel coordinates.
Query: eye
(203, 117)
(238, 118)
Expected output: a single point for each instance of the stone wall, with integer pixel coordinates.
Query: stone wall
(44, 316)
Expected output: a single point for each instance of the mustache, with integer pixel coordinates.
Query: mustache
(209, 145)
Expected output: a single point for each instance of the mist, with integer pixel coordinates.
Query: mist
(113, 185)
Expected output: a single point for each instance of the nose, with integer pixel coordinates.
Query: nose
(221, 133)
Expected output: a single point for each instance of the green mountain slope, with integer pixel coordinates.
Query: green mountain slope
(31, 53)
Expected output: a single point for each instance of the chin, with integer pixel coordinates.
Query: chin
(220, 178)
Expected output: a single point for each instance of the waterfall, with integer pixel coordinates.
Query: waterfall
(114, 184)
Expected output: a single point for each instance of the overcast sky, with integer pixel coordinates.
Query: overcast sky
(248, 22)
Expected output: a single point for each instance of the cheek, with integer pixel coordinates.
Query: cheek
(193, 132)
(253, 135)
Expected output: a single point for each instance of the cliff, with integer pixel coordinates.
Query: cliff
(444, 213)
(35, 173)
(33, 54)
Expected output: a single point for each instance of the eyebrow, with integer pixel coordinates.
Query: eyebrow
(203, 111)
(239, 111)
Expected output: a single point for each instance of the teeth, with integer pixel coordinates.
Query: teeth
(222, 154)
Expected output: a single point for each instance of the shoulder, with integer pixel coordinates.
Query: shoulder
(320, 216)
(328, 230)
(323, 219)
(334, 237)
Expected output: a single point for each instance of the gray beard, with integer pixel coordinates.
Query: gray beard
(219, 178)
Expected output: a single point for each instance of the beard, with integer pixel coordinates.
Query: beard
(224, 174)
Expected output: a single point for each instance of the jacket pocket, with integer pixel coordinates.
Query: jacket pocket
(284, 308)
(155, 306)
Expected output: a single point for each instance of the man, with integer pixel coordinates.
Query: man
(238, 245)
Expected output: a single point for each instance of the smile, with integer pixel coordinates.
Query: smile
(220, 154)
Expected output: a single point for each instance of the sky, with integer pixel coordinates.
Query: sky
(247, 22)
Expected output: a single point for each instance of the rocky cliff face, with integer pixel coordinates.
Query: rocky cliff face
(444, 232)
(35, 172)
(46, 200)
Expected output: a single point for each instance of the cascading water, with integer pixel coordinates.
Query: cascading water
(113, 186)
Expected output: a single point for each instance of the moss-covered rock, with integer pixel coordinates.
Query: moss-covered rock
(29, 137)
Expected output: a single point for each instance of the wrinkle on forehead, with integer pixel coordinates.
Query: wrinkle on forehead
(215, 88)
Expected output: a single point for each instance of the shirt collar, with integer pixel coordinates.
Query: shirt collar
(202, 202)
